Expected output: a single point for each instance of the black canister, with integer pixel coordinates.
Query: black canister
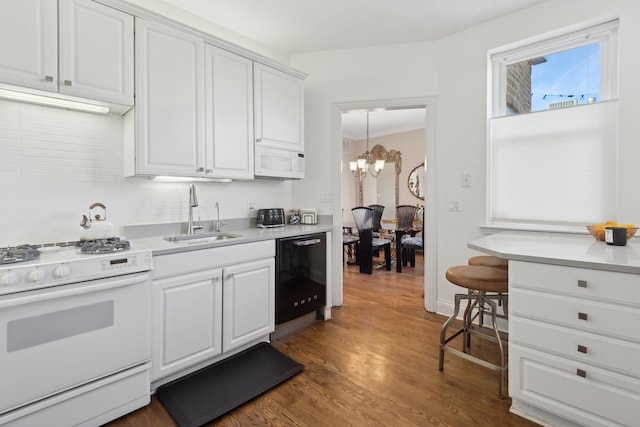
(616, 236)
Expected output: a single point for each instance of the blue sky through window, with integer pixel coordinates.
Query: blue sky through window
(566, 75)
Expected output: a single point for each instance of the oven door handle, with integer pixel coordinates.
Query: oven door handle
(307, 242)
(48, 294)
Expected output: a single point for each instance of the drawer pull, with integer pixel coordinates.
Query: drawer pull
(582, 349)
(582, 283)
(581, 373)
(582, 316)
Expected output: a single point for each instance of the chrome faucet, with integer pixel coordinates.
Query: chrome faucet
(218, 225)
(193, 202)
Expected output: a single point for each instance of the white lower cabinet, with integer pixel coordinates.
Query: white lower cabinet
(249, 302)
(210, 302)
(574, 344)
(188, 320)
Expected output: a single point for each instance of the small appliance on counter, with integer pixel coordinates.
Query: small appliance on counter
(268, 218)
(309, 216)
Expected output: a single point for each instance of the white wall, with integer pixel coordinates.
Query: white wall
(454, 69)
(55, 163)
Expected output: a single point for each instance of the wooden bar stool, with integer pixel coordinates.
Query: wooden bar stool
(489, 261)
(495, 262)
(483, 285)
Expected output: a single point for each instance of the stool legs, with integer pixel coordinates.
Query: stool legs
(479, 299)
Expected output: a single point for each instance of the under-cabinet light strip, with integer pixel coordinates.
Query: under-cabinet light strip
(32, 98)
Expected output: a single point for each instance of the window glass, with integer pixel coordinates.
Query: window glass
(561, 79)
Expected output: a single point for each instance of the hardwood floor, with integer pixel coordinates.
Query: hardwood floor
(375, 363)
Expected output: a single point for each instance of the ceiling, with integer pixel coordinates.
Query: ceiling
(300, 26)
(381, 122)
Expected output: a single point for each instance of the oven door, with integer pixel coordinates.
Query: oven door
(57, 338)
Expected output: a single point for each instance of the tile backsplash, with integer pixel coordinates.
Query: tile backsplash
(54, 163)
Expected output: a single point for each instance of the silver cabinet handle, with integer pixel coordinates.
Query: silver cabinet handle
(582, 316)
(582, 283)
(259, 140)
(48, 78)
(582, 349)
(67, 83)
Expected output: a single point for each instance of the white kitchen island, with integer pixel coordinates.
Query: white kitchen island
(574, 327)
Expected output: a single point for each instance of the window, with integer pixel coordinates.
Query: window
(552, 148)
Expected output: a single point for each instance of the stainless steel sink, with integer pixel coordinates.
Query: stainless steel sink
(200, 238)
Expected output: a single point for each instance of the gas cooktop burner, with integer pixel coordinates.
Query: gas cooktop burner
(103, 246)
(20, 253)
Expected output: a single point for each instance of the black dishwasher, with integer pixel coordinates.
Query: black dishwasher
(301, 276)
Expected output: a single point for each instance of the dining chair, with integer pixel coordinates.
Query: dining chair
(406, 241)
(363, 218)
(378, 210)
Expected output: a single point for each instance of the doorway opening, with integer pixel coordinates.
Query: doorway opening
(401, 128)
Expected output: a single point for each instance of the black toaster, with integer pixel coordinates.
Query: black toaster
(273, 217)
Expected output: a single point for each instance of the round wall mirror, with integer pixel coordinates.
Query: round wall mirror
(416, 181)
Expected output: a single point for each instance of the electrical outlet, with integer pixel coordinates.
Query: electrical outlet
(453, 206)
(466, 180)
(251, 204)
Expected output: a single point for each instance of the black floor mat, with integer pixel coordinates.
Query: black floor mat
(204, 395)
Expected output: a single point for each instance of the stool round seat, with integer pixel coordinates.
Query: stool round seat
(489, 261)
(479, 278)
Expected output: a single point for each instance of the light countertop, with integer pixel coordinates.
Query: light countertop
(159, 246)
(562, 249)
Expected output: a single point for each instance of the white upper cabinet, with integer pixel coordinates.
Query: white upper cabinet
(228, 115)
(96, 52)
(169, 114)
(28, 44)
(93, 60)
(279, 109)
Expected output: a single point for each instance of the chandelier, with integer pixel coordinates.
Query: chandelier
(365, 163)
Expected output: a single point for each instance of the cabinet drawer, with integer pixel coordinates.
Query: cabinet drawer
(608, 353)
(591, 316)
(582, 282)
(600, 398)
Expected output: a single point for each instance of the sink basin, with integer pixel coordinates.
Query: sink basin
(200, 238)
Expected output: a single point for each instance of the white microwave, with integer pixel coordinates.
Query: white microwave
(275, 163)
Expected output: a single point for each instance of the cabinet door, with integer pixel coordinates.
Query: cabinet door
(249, 303)
(187, 320)
(279, 109)
(169, 101)
(229, 115)
(96, 52)
(29, 44)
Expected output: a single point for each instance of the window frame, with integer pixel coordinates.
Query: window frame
(604, 32)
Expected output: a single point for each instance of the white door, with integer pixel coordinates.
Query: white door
(96, 52)
(229, 115)
(187, 319)
(29, 44)
(279, 109)
(249, 302)
(169, 101)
